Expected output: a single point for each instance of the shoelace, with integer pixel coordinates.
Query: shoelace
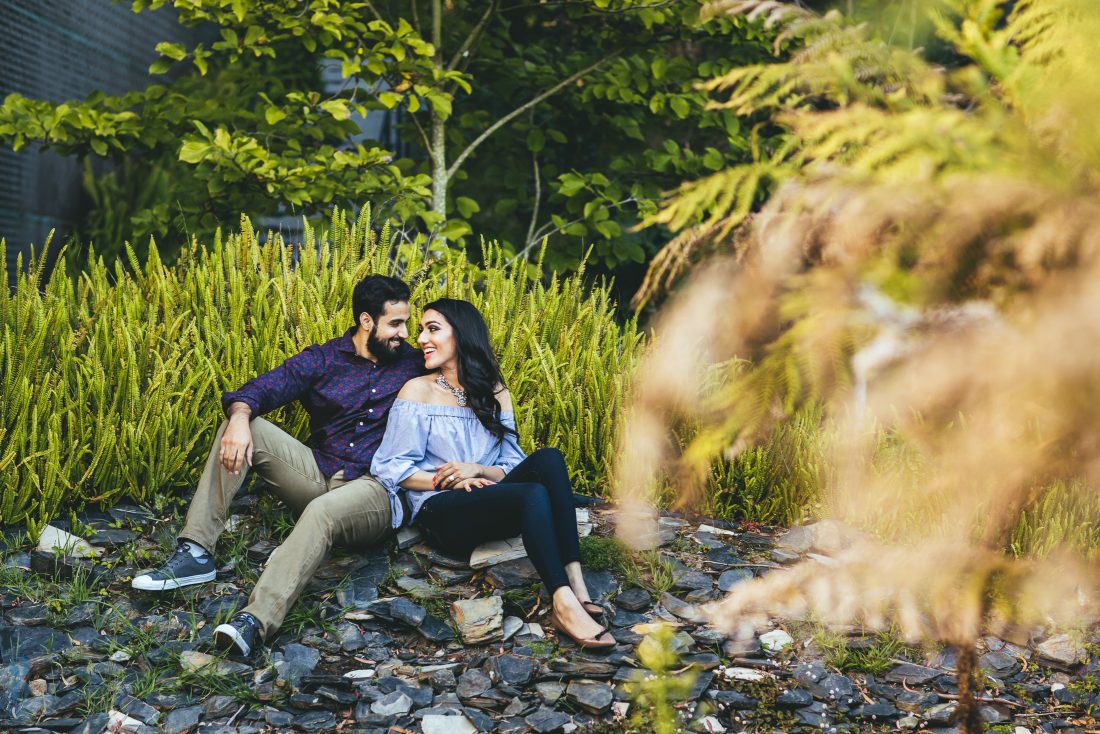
(178, 558)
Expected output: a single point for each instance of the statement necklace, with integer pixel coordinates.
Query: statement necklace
(459, 393)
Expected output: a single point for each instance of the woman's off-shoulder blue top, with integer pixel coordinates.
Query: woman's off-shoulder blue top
(423, 436)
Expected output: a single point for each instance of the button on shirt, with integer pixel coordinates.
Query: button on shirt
(346, 396)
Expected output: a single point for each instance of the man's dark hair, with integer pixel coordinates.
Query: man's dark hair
(373, 293)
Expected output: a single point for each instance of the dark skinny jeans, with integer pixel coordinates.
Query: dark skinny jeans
(534, 501)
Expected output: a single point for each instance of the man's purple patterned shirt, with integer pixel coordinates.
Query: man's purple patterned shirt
(346, 396)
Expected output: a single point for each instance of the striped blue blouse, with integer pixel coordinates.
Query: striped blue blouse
(425, 436)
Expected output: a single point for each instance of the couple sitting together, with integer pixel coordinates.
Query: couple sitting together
(400, 436)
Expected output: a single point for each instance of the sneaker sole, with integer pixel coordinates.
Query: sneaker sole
(144, 583)
(227, 637)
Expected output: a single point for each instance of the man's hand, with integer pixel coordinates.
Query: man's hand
(236, 446)
(471, 484)
(454, 472)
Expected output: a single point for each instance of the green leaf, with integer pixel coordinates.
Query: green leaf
(273, 115)
(99, 146)
(338, 108)
(389, 99)
(174, 51)
(536, 140)
(658, 67)
(240, 9)
(466, 206)
(160, 66)
(571, 183)
(441, 103)
(194, 151)
(680, 106)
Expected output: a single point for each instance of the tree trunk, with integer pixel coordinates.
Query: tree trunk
(966, 671)
(438, 152)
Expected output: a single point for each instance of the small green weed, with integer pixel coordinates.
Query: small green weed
(876, 657)
(600, 553)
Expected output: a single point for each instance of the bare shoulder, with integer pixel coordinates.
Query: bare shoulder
(505, 399)
(418, 389)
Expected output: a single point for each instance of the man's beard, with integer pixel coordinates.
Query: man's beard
(382, 351)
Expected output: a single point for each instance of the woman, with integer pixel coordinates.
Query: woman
(451, 449)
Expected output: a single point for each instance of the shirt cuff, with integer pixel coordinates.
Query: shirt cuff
(232, 397)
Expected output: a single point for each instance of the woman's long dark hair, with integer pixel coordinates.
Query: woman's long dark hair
(478, 370)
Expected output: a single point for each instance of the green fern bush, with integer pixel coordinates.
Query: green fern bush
(111, 381)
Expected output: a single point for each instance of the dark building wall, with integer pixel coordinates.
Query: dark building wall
(59, 50)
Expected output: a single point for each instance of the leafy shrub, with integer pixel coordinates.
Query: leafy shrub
(112, 380)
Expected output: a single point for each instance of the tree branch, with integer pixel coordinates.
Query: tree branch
(519, 111)
(538, 195)
(474, 37)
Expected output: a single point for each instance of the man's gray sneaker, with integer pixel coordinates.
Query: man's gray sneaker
(239, 634)
(182, 569)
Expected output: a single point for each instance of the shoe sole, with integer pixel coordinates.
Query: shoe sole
(226, 637)
(144, 583)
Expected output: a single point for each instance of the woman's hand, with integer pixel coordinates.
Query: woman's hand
(454, 472)
(471, 484)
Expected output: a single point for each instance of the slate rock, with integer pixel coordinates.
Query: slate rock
(479, 620)
(473, 683)
(550, 691)
(216, 707)
(435, 630)
(94, 724)
(941, 714)
(702, 682)
(515, 574)
(222, 607)
(315, 721)
(583, 668)
(1061, 650)
(361, 587)
(442, 680)
(624, 618)
(794, 698)
(182, 721)
(816, 716)
(784, 556)
(731, 578)
(601, 584)
(591, 696)
(734, 700)
(723, 557)
(681, 608)
(999, 662)
(81, 614)
(993, 714)
(514, 670)
(31, 615)
(691, 580)
(546, 720)
(405, 611)
(914, 702)
(392, 704)
(438, 724)
(20, 642)
(138, 709)
(875, 711)
(634, 599)
(910, 674)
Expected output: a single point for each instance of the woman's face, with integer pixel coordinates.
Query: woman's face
(437, 339)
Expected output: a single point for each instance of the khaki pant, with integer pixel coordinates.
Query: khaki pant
(329, 511)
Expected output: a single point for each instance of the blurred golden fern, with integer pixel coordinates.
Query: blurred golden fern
(923, 258)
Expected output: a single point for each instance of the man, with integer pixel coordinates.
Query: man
(346, 386)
